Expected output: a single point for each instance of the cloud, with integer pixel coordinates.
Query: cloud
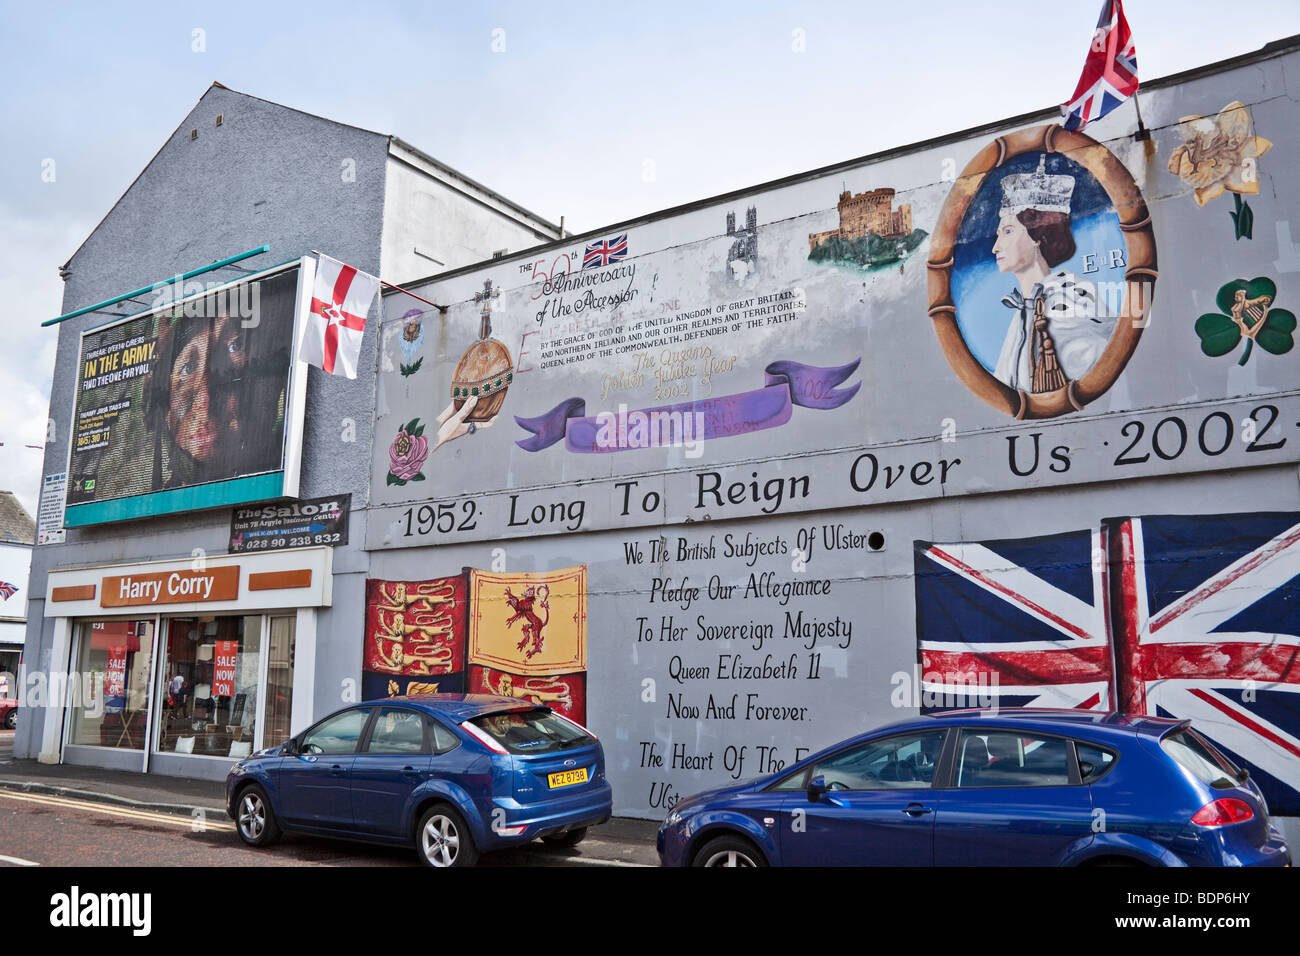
(31, 292)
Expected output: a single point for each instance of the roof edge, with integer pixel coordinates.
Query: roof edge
(1269, 50)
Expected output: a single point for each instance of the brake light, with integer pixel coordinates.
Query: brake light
(1222, 813)
(484, 738)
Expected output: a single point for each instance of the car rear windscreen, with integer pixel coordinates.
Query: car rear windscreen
(1202, 760)
(533, 731)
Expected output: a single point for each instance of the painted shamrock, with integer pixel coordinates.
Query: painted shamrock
(407, 453)
(1246, 313)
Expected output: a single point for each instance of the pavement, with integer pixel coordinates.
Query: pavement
(622, 840)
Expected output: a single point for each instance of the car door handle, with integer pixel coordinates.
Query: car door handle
(410, 772)
(916, 810)
(336, 770)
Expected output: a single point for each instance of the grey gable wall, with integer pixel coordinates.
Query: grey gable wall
(267, 175)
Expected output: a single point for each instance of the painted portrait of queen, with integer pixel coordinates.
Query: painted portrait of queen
(1058, 326)
(1042, 250)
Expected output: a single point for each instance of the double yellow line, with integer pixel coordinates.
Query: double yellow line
(194, 824)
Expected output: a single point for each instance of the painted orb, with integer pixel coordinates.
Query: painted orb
(486, 371)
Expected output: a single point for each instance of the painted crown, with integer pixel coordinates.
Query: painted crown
(1037, 190)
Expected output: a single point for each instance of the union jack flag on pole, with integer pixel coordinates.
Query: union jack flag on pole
(1110, 73)
(1193, 617)
(605, 251)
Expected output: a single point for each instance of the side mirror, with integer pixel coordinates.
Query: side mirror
(290, 747)
(816, 787)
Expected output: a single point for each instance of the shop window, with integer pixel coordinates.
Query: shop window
(279, 682)
(209, 682)
(107, 693)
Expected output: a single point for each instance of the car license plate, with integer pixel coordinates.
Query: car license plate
(567, 778)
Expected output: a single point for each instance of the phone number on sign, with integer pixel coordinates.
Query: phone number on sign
(291, 541)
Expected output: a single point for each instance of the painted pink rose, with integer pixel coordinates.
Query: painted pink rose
(407, 454)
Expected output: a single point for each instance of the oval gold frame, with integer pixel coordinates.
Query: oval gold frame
(1140, 250)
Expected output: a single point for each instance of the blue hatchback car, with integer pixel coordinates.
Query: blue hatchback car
(453, 774)
(985, 788)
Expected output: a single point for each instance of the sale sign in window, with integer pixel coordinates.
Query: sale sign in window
(223, 671)
(115, 681)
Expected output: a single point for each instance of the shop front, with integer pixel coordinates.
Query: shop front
(180, 667)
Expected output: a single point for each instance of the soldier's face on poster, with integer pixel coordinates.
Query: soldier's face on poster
(205, 415)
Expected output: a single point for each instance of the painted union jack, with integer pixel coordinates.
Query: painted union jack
(1110, 73)
(605, 251)
(1175, 616)
(7, 590)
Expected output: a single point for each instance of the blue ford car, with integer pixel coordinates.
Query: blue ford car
(976, 788)
(452, 774)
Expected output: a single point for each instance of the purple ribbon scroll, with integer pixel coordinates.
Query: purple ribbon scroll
(786, 384)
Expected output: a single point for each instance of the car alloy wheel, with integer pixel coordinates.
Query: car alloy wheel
(11, 720)
(729, 857)
(729, 851)
(444, 839)
(254, 819)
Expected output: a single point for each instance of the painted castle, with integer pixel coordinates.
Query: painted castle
(870, 212)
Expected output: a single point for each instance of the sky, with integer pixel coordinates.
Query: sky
(597, 113)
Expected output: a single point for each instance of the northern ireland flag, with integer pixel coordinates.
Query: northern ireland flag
(1110, 73)
(336, 320)
(1187, 616)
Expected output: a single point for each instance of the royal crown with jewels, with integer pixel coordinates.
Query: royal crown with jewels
(1037, 190)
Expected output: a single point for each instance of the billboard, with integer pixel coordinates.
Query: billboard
(194, 404)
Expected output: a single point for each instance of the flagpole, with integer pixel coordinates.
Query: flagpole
(1143, 133)
(398, 288)
(440, 308)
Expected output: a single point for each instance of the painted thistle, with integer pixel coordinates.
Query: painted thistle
(412, 339)
(1247, 313)
(407, 453)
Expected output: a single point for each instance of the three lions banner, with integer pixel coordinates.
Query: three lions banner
(519, 635)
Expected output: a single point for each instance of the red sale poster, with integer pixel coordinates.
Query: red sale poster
(223, 671)
(115, 680)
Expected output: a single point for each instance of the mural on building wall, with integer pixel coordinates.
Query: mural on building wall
(1246, 312)
(688, 424)
(872, 233)
(1041, 207)
(1187, 616)
(407, 453)
(519, 635)
(746, 581)
(643, 374)
(411, 342)
(1220, 154)
(742, 254)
